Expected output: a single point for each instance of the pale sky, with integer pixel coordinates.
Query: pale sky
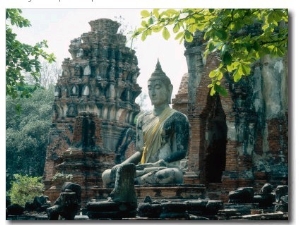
(60, 26)
(55, 21)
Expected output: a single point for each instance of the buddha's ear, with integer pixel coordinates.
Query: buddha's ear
(170, 92)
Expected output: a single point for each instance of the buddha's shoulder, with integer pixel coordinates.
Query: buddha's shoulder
(178, 117)
(144, 116)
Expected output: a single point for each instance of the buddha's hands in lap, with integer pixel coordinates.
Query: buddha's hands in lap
(159, 163)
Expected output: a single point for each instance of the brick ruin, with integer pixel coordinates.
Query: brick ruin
(94, 108)
(237, 140)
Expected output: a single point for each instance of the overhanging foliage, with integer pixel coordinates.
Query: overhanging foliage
(240, 36)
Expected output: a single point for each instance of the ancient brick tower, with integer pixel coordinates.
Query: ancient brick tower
(238, 140)
(94, 107)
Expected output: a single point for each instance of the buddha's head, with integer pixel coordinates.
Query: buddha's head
(159, 87)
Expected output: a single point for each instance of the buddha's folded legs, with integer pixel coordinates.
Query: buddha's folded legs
(161, 176)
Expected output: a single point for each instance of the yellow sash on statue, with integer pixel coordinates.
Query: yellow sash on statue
(152, 134)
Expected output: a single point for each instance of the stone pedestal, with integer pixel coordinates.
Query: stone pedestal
(159, 192)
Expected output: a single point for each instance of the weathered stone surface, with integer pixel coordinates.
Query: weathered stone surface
(242, 208)
(162, 138)
(253, 117)
(150, 210)
(176, 209)
(213, 206)
(111, 210)
(124, 184)
(187, 192)
(196, 207)
(94, 105)
(264, 200)
(241, 195)
(266, 189)
(283, 204)
(122, 202)
(67, 204)
(281, 190)
(173, 210)
(226, 214)
(280, 200)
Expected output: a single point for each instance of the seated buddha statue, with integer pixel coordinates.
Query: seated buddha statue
(162, 138)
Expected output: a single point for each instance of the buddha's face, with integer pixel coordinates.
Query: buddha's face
(158, 92)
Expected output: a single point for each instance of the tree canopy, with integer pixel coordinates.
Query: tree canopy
(27, 133)
(22, 58)
(241, 36)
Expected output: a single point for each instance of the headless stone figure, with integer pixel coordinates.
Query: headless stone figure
(162, 138)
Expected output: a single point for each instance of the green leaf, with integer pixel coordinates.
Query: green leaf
(246, 68)
(211, 47)
(171, 12)
(256, 46)
(265, 26)
(212, 91)
(212, 74)
(232, 66)
(188, 36)
(224, 49)
(201, 25)
(221, 34)
(220, 76)
(51, 58)
(192, 28)
(221, 90)
(145, 13)
(150, 21)
(156, 28)
(227, 58)
(190, 21)
(144, 35)
(144, 23)
(148, 32)
(179, 35)
(237, 75)
(156, 13)
(176, 28)
(166, 33)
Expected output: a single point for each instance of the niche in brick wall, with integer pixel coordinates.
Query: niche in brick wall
(214, 139)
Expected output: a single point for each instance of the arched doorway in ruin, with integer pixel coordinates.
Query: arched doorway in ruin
(213, 136)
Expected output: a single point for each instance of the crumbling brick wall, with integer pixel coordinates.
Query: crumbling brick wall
(257, 135)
